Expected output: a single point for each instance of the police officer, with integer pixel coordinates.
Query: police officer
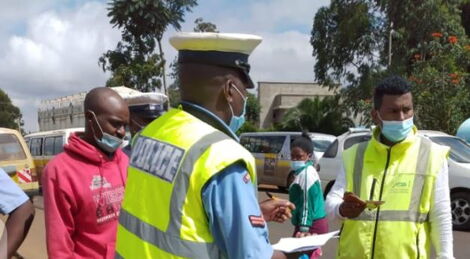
(191, 190)
(404, 177)
(143, 109)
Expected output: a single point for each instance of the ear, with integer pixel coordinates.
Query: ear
(88, 116)
(375, 117)
(228, 91)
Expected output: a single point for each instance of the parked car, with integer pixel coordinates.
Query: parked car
(272, 153)
(330, 163)
(459, 168)
(17, 162)
(45, 145)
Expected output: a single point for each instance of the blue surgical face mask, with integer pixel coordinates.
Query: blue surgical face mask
(108, 142)
(396, 131)
(236, 122)
(297, 165)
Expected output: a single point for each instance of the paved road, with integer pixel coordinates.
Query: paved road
(34, 246)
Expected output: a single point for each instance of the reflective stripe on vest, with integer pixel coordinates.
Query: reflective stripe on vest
(412, 214)
(170, 240)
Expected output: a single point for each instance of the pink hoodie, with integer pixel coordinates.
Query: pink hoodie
(83, 190)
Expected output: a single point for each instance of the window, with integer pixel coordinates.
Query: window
(331, 150)
(36, 146)
(354, 140)
(459, 150)
(263, 144)
(10, 148)
(321, 145)
(58, 145)
(49, 146)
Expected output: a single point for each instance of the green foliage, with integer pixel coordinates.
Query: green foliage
(317, 115)
(351, 41)
(252, 109)
(10, 115)
(135, 62)
(248, 126)
(174, 96)
(202, 26)
(440, 80)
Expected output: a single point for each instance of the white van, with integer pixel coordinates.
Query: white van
(46, 144)
(272, 153)
(459, 168)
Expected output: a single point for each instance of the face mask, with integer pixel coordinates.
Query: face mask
(297, 165)
(396, 131)
(236, 122)
(108, 142)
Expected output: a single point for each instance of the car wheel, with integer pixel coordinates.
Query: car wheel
(327, 189)
(460, 206)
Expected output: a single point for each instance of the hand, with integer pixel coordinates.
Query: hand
(275, 209)
(352, 205)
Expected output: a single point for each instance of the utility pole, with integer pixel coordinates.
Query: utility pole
(390, 45)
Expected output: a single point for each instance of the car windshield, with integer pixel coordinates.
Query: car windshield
(10, 148)
(459, 150)
(321, 145)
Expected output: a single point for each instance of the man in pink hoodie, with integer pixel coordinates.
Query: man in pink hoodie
(84, 185)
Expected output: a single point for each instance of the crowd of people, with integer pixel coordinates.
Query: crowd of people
(185, 187)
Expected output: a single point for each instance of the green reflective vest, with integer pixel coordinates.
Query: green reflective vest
(162, 215)
(403, 176)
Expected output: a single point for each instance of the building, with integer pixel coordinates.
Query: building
(276, 98)
(67, 112)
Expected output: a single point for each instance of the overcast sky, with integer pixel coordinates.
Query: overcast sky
(50, 48)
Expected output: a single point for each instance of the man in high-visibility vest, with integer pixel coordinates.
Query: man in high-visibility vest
(191, 189)
(393, 194)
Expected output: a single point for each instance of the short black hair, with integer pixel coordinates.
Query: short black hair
(304, 142)
(392, 85)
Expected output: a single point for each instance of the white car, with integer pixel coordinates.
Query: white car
(459, 168)
(330, 163)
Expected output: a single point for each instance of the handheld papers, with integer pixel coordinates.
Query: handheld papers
(292, 244)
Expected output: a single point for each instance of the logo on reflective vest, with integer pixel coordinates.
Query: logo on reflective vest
(401, 187)
(156, 158)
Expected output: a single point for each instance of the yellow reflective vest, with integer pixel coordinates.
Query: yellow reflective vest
(162, 215)
(403, 176)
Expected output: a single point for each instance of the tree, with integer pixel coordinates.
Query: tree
(251, 115)
(252, 109)
(10, 115)
(441, 83)
(317, 115)
(357, 43)
(202, 26)
(134, 62)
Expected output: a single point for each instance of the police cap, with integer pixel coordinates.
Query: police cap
(218, 49)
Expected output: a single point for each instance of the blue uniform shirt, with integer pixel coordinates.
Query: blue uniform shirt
(231, 203)
(11, 196)
(234, 215)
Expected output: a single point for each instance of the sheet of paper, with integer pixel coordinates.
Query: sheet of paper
(292, 244)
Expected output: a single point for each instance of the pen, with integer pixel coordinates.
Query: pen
(271, 196)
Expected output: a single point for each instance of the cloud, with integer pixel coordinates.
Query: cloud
(50, 48)
(58, 55)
